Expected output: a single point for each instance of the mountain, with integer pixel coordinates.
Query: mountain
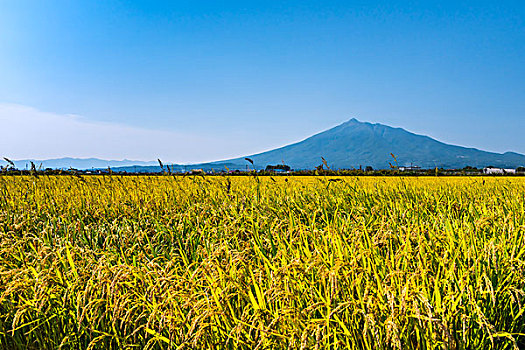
(354, 144)
(76, 163)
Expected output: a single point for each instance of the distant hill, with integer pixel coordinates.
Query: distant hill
(352, 144)
(76, 163)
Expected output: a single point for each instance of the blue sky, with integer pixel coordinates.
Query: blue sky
(206, 80)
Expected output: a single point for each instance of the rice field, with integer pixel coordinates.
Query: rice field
(195, 262)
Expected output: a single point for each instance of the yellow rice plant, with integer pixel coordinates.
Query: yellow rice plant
(196, 262)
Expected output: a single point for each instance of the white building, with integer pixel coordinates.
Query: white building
(408, 168)
(492, 171)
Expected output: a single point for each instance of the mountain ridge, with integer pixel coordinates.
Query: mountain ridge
(351, 144)
(76, 163)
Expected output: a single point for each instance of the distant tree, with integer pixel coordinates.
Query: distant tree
(282, 167)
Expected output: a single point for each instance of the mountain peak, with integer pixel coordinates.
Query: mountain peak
(353, 121)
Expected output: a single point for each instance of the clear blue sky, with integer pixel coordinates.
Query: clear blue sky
(230, 78)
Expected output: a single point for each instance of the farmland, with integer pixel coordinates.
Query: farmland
(294, 262)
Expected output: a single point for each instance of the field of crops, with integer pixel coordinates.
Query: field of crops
(243, 262)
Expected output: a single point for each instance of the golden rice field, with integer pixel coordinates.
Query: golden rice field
(164, 262)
